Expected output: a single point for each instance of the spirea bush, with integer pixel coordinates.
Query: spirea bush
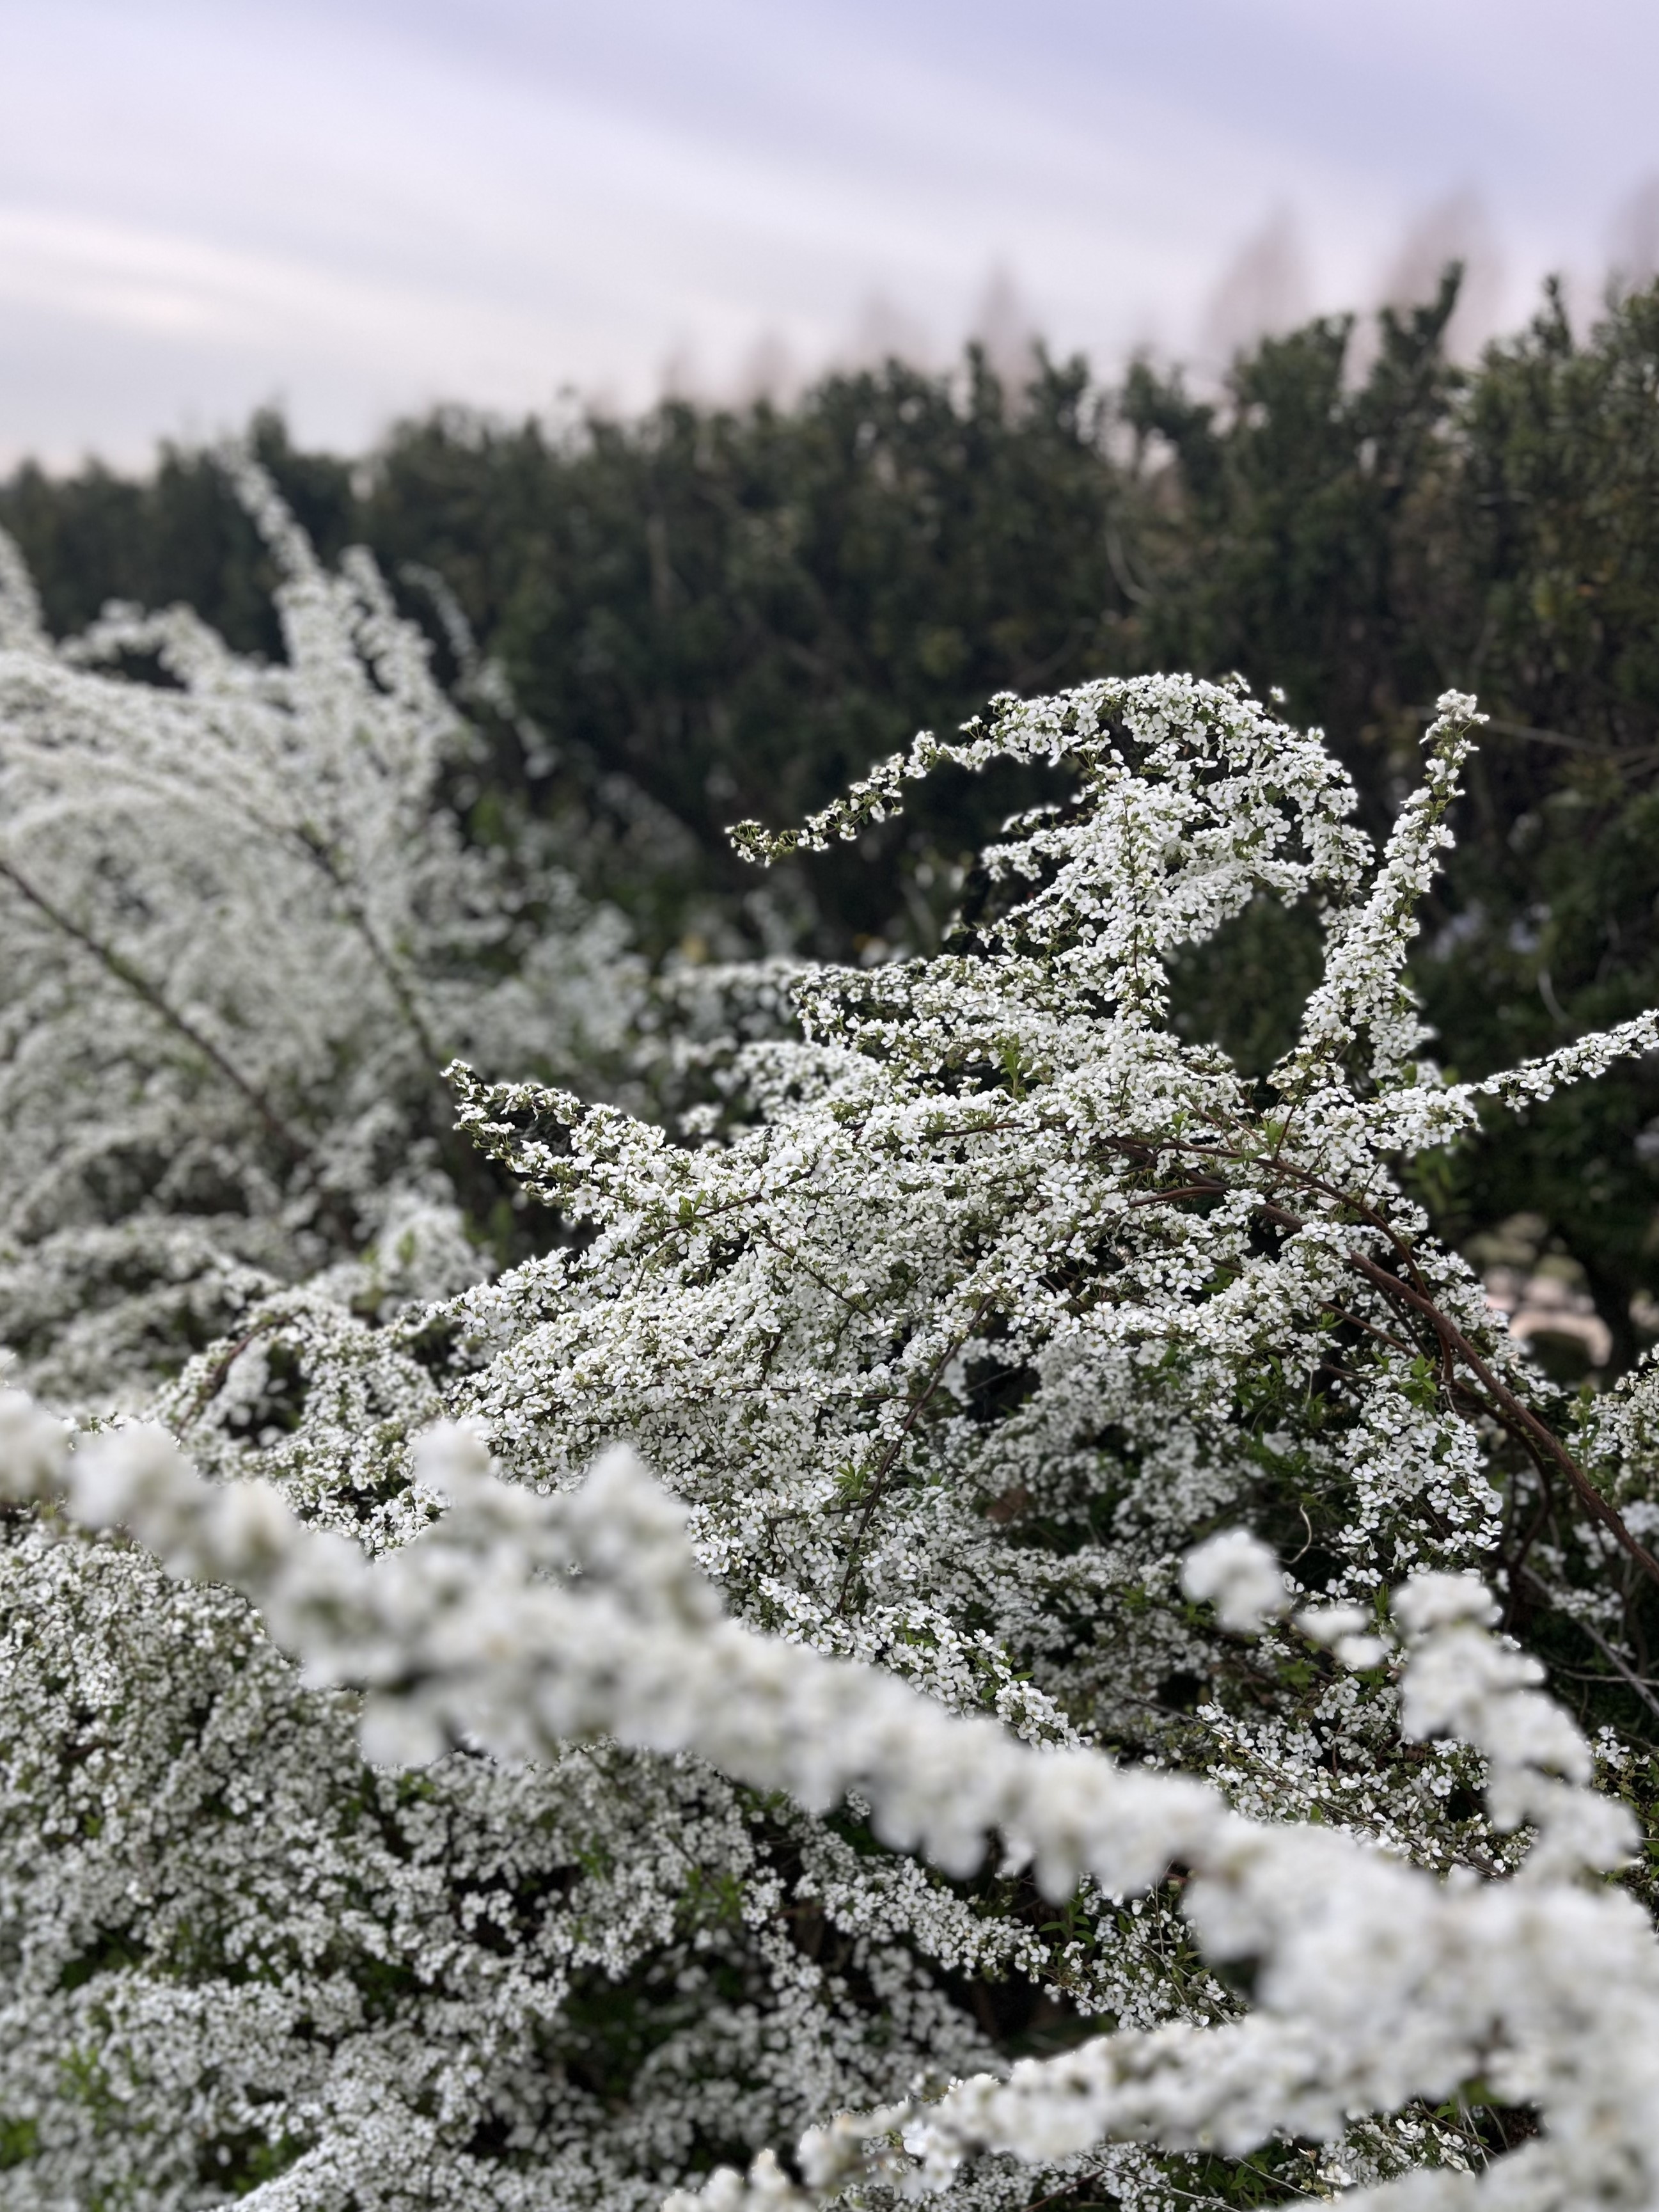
(1052, 1725)
(242, 928)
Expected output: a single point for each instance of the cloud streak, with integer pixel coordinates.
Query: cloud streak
(364, 208)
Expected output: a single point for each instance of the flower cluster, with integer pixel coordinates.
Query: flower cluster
(518, 1624)
(241, 930)
(611, 1834)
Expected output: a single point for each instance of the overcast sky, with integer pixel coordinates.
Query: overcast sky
(359, 207)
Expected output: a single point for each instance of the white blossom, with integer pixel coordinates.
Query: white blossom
(466, 1818)
(1376, 1984)
(1239, 1575)
(241, 930)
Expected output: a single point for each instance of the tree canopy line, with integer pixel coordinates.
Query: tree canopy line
(713, 613)
(625, 1824)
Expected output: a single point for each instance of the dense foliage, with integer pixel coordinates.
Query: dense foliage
(711, 614)
(241, 930)
(406, 1798)
(960, 1298)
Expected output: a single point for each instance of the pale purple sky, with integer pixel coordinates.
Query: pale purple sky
(359, 208)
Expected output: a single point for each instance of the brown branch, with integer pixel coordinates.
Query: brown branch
(1519, 1413)
(860, 1306)
(139, 984)
(880, 1478)
(1633, 1680)
(1511, 1411)
(1382, 1335)
(221, 1367)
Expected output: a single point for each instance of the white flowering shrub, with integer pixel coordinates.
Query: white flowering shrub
(240, 931)
(393, 1823)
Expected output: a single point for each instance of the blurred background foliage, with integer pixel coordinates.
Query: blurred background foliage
(710, 613)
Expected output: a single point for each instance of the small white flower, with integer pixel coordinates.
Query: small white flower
(1240, 1576)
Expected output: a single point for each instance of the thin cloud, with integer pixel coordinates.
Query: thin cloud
(1264, 290)
(376, 205)
(1456, 228)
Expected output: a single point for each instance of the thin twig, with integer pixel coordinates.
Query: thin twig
(1514, 1414)
(1546, 1438)
(880, 1478)
(1632, 1680)
(140, 984)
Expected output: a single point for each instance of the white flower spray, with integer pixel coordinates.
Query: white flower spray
(936, 1740)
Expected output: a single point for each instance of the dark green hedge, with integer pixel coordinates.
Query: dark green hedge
(715, 613)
